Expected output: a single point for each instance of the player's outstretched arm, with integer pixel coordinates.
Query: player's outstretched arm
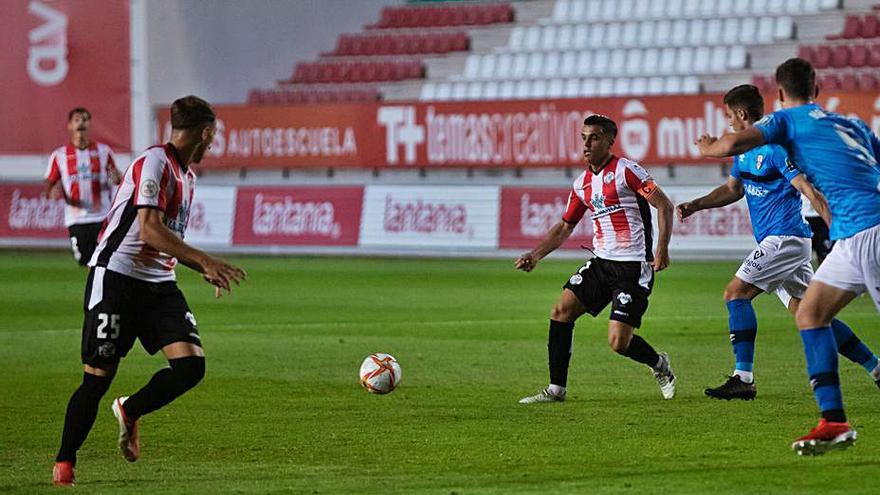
(554, 238)
(723, 195)
(158, 236)
(816, 198)
(731, 144)
(659, 200)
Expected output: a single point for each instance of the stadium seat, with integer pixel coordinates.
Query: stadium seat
(858, 56)
(523, 89)
(869, 27)
(490, 90)
(589, 87)
(821, 57)
(459, 91)
(848, 82)
(444, 91)
(474, 91)
(506, 90)
(867, 81)
(572, 88)
(874, 55)
(538, 89)
(840, 56)
(605, 87)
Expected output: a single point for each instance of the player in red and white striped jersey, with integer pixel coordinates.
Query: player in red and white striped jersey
(131, 291)
(618, 194)
(84, 173)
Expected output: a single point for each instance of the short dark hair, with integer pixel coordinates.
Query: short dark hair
(608, 126)
(77, 110)
(191, 111)
(747, 98)
(797, 78)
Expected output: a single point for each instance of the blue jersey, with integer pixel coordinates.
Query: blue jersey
(838, 155)
(774, 204)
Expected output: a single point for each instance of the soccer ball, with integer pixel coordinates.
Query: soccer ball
(380, 373)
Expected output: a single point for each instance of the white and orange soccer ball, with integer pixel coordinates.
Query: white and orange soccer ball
(380, 373)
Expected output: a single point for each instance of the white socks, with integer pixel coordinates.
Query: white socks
(745, 376)
(556, 389)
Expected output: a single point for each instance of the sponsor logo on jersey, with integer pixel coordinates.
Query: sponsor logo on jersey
(757, 191)
(759, 162)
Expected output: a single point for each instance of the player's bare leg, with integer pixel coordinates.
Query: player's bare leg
(623, 340)
(82, 409)
(559, 345)
(814, 314)
(186, 368)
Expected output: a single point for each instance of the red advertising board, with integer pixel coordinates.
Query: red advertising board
(289, 216)
(528, 213)
(24, 212)
(58, 55)
(653, 130)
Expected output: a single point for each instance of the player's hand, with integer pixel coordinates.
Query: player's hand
(685, 210)
(527, 262)
(56, 192)
(704, 142)
(661, 260)
(221, 275)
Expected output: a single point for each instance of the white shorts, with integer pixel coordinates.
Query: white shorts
(854, 264)
(780, 264)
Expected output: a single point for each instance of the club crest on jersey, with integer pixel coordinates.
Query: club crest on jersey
(106, 350)
(624, 298)
(149, 188)
(759, 162)
(609, 178)
(576, 279)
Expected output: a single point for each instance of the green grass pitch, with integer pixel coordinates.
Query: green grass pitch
(281, 409)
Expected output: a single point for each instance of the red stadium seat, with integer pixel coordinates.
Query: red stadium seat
(869, 27)
(806, 52)
(821, 57)
(829, 82)
(867, 81)
(851, 27)
(858, 56)
(840, 56)
(848, 82)
(874, 55)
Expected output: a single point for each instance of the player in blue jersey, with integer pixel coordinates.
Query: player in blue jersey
(780, 264)
(838, 155)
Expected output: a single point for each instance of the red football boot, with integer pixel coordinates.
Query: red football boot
(129, 440)
(825, 437)
(62, 474)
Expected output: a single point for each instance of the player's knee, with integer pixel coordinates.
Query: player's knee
(732, 292)
(563, 313)
(619, 343)
(95, 386)
(808, 316)
(190, 370)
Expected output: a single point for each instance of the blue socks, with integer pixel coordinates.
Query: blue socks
(743, 326)
(820, 349)
(852, 348)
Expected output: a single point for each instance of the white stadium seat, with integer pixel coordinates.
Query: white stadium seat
(555, 88)
(672, 85)
(601, 61)
(536, 64)
(572, 88)
(551, 64)
(730, 31)
(459, 90)
(702, 60)
(560, 10)
(532, 38)
(428, 91)
(639, 86)
(523, 89)
(606, 87)
(538, 89)
(596, 35)
(667, 61)
(748, 30)
(563, 37)
(487, 66)
(696, 32)
(679, 32)
(576, 10)
(725, 7)
(655, 86)
(568, 64)
(765, 30)
(584, 63)
(634, 61)
(738, 58)
(589, 87)
(658, 9)
(650, 60)
(520, 65)
(691, 85)
(474, 90)
(629, 35)
(609, 10)
(714, 31)
(641, 9)
(622, 86)
(775, 7)
(663, 32)
(829, 4)
(691, 8)
(625, 9)
(548, 38)
(617, 63)
(810, 6)
(471, 66)
(503, 65)
(444, 91)
(708, 9)
(490, 90)
(612, 35)
(517, 36)
(718, 60)
(684, 63)
(646, 33)
(507, 90)
(579, 36)
(784, 29)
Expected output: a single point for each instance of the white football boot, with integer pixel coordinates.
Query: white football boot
(543, 396)
(664, 376)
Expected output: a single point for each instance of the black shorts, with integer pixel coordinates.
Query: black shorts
(83, 240)
(624, 284)
(118, 309)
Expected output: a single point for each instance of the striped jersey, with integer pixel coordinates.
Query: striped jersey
(615, 197)
(156, 179)
(85, 180)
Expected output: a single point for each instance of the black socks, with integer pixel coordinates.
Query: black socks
(82, 409)
(165, 386)
(559, 351)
